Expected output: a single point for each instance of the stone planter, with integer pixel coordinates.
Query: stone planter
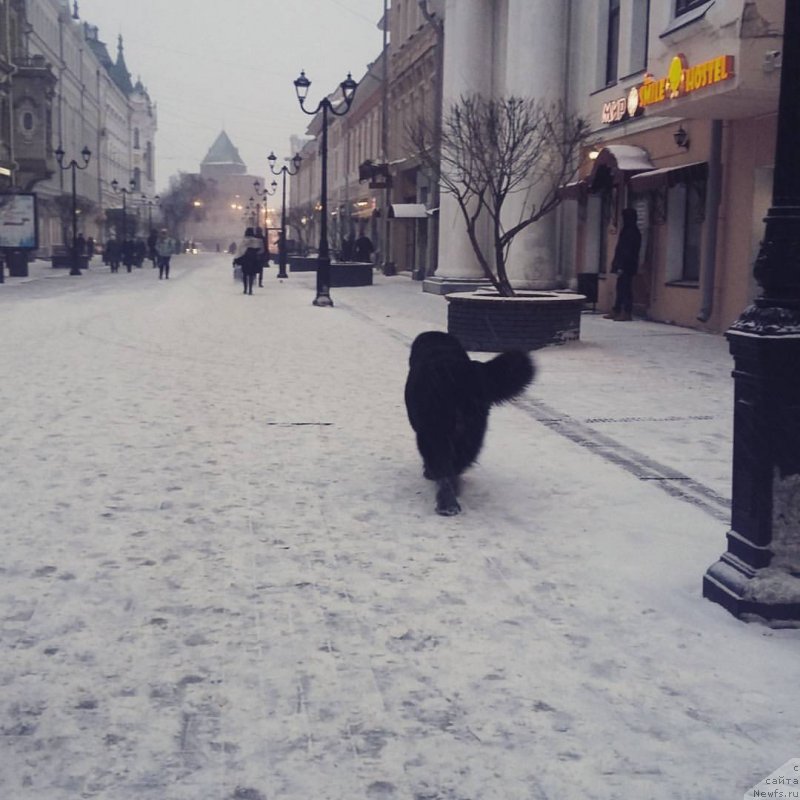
(351, 273)
(302, 264)
(485, 322)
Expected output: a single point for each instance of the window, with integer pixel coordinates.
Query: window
(640, 24)
(684, 6)
(612, 45)
(685, 216)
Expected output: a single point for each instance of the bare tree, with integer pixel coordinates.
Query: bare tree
(493, 149)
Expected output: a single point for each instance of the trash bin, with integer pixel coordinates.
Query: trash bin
(587, 286)
(17, 263)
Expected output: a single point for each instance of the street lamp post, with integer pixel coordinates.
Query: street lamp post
(283, 171)
(73, 165)
(126, 256)
(348, 87)
(150, 203)
(264, 194)
(759, 575)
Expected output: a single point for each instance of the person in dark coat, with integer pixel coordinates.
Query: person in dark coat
(113, 254)
(263, 259)
(151, 246)
(364, 248)
(129, 254)
(80, 245)
(248, 256)
(626, 264)
(89, 248)
(349, 248)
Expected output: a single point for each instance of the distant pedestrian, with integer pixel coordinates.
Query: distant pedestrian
(364, 248)
(151, 247)
(80, 245)
(165, 247)
(113, 254)
(263, 259)
(349, 248)
(89, 248)
(129, 254)
(626, 264)
(248, 257)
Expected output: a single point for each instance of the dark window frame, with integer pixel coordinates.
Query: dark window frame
(685, 6)
(612, 43)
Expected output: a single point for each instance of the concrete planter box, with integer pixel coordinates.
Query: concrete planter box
(302, 264)
(343, 273)
(485, 322)
(351, 273)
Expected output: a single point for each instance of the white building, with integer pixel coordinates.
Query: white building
(96, 105)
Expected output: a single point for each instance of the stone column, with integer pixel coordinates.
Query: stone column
(468, 37)
(535, 67)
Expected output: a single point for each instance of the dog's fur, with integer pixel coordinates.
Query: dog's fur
(448, 397)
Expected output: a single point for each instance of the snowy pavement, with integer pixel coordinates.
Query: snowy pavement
(223, 577)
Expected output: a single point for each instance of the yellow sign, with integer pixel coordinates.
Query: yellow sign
(681, 79)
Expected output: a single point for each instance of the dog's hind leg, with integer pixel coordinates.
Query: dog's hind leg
(447, 497)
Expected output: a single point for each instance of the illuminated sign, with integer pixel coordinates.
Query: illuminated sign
(681, 79)
(621, 109)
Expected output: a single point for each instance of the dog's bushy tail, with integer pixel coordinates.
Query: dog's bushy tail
(506, 376)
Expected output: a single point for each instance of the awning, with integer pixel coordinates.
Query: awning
(615, 159)
(408, 211)
(669, 176)
(577, 190)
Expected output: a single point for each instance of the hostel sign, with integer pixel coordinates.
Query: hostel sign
(682, 79)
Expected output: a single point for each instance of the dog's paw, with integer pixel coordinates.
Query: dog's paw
(446, 502)
(449, 510)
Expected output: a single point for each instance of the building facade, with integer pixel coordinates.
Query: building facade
(232, 202)
(682, 97)
(66, 91)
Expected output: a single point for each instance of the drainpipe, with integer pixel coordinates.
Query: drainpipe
(708, 275)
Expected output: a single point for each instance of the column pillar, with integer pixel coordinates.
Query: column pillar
(535, 67)
(469, 27)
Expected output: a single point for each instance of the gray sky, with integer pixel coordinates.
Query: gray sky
(211, 64)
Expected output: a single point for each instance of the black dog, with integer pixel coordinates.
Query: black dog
(448, 397)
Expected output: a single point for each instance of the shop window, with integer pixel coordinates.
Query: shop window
(612, 42)
(685, 216)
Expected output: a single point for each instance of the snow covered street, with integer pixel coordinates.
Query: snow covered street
(222, 576)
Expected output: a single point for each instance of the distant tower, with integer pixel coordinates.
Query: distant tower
(222, 159)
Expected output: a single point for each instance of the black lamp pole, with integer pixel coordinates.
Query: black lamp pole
(125, 191)
(264, 194)
(73, 165)
(759, 575)
(348, 87)
(150, 203)
(283, 171)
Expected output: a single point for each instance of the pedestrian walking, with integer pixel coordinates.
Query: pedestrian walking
(263, 259)
(349, 248)
(151, 247)
(248, 256)
(364, 248)
(89, 248)
(165, 247)
(626, 264)
(113, 254)
(80, 245)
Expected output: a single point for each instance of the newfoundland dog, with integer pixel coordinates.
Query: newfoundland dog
(448, 397)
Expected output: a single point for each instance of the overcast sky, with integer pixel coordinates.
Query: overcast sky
(210, 65)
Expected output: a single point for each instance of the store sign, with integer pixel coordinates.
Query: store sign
(622, 109)
(18, 221)
(682, 80)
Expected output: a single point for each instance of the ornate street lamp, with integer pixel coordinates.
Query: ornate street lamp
(73, 165)
(759, 575)
(115, 185)
(283, 171)
(150, 203)
(348, 87)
